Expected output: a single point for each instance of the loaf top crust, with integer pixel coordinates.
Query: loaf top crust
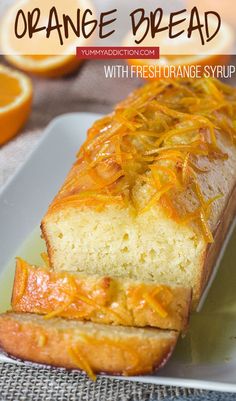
(164, 145)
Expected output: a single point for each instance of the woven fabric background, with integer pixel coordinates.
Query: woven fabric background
(25, 383)
(87, 90)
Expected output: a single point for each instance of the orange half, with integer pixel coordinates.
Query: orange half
(15, 102)
(40, 55)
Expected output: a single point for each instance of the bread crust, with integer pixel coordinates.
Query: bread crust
(213, 250)
(96, 353)
(99, 299)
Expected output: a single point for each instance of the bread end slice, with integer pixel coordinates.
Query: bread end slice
(85, 346)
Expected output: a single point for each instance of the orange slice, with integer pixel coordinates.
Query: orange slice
(178, 52)
(45, 66)
(15, 102)
(226, 9)
(41, 55)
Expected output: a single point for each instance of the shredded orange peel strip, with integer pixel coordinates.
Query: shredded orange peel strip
(82, 363)
(45, 259)
(155, 304)
(165, 126)
(23, 281)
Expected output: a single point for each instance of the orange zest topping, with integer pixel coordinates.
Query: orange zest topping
(70, 295)
(45, 258)
(168, 171)
(105, 310)
(185, 168)
(81, 362)
(156, 136)
(156, 198)
(59, 311)
(126, 349)
(156, 305)
(74, 295)
(205, 228)
(158, 298)
(93, 199)
(23, 279)
(41, 339)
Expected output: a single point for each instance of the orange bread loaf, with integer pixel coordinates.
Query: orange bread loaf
(152, 192)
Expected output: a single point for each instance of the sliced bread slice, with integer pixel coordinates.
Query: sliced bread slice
(100, 299)
(86, 346)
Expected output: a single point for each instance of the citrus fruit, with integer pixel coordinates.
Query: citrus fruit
(15, 102)
(39, 54)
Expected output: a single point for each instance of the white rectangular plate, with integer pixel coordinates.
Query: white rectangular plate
(206, 357)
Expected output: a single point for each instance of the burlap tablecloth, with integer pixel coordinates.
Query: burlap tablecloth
(87, 90)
